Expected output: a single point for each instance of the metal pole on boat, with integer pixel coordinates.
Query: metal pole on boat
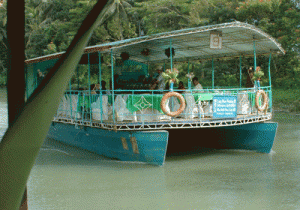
(240, 71)
(171, 54)
(89, 72)
(100, 79)
(213, 74)
(254, 55)
(270, 90)
(255, 82)
(269, 69)
(189, 80)
(112, 83)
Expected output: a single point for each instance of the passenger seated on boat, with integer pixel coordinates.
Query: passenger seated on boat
(153, 85)
(197, 85)
(181, 88)
(160, 79)
(249, 83)
(258, 79)
(95, 88)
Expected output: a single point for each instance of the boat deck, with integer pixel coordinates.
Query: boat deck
(174, 123)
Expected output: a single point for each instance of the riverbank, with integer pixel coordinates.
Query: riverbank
(287, 100)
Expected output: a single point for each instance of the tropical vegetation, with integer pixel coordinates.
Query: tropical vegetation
(51, 25)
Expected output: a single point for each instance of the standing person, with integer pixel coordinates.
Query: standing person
(197, 85)
(160, 80)
(257, 70)
(94, 88)
(249, 83)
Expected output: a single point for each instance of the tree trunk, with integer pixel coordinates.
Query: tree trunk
(15, 67)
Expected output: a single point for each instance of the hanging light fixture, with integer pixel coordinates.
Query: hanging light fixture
(125, 56)
(168, 52)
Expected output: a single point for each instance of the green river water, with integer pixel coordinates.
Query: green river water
(68, 178)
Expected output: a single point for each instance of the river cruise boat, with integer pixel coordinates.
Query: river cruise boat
(134, 117)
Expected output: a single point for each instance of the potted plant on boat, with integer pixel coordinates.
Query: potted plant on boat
(170, 76)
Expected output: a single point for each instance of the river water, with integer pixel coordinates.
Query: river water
(68, 178)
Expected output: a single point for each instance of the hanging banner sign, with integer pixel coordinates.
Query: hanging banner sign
(224, 106)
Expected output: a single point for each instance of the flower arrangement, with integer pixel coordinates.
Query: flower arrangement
(171, 76)
(190, 75)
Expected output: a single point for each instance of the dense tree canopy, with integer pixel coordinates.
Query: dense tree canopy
(51, 25)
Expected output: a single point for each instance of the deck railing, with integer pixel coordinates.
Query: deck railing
(132, 106)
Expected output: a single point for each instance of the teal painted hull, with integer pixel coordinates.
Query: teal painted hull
(254, 136)
(140, 146)
(151, 146)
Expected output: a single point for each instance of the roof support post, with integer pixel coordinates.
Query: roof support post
(100, 83)
(112, 83)
(254, 51)
(269, 69)
(90, 101)
(240, 71)
(270, 90)
(189, 80)
(171, 55)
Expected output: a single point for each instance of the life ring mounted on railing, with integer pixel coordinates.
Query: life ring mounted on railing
(164, 100)
(264, 106)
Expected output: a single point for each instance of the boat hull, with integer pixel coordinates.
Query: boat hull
(140, 146)
(254, 136)
(151, 146)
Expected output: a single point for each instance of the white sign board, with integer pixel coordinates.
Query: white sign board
(216, 41)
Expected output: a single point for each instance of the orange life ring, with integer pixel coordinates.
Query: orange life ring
(264, 106)
(164, 100)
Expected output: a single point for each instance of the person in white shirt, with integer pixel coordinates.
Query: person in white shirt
(197, 85)
(160, 80)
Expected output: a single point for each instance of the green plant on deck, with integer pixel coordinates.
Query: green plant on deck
(257, 75)
(171, 75)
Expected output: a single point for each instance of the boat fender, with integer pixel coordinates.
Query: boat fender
(264, 106)
(164, 100)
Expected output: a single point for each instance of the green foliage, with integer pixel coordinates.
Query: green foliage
(285, 96)
(51, 25)
(170, 75)
(3, 78)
